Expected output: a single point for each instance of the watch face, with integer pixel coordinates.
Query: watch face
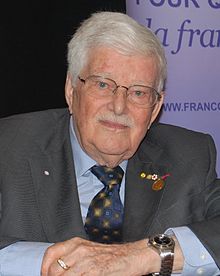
(162, 240)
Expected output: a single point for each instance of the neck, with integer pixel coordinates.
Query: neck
(104, 159)
(110, 161)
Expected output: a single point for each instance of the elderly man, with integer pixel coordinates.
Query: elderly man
(99, 190)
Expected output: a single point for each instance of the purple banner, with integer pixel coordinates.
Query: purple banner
(190, 33)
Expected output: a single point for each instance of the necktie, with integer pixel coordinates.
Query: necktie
(105, 214)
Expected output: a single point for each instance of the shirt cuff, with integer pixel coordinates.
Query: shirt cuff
(22, 258)
(198, 261)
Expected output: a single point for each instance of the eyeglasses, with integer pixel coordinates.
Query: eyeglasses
(101, 87)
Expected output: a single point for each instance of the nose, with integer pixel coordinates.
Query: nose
(118, 102)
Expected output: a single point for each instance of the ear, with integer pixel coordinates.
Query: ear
(69, 92)
(157, 109)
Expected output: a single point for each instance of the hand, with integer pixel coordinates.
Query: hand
(90, 258)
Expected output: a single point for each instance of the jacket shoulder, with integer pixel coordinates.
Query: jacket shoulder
(23, 129)
(179, 142)
(161, 131)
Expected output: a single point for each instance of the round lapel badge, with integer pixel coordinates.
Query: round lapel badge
(158, 185)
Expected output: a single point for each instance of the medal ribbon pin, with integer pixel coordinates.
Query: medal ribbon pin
(158, 183)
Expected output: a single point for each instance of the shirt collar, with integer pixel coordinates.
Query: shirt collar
(83, 162)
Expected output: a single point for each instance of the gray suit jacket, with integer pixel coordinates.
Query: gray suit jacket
(41, 206)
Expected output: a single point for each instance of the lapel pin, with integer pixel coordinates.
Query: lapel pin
(46, 173)
(158, 183)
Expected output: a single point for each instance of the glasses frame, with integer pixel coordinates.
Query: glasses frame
(158, 95)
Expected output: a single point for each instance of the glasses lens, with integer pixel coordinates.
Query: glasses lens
(100, 87)
(142, 95)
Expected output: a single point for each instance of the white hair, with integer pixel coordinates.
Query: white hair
(117, 31)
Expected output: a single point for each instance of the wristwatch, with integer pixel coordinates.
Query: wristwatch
(164, 246)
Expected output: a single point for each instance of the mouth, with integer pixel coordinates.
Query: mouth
(113, 125)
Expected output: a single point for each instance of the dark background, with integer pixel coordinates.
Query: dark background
(33, 42)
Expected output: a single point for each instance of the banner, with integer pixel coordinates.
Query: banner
(190, 32)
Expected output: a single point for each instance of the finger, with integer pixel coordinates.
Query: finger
(51, 255)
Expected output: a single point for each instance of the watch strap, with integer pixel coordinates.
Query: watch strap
(164, 246)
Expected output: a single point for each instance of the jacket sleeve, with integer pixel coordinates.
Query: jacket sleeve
(208, 230)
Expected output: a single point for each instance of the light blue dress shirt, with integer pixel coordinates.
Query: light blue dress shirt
(25, 258)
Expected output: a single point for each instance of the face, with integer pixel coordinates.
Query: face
(110, 129)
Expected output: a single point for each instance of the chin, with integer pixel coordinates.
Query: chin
(113, 149)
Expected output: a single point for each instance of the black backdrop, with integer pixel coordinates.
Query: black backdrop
(33, 39)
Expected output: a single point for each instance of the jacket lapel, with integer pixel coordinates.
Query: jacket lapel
(56, 189)
(142, 202)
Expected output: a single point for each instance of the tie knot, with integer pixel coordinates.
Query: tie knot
(108, 176)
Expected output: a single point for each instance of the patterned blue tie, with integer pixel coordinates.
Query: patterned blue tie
(105, 214)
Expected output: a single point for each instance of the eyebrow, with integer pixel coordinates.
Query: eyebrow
(109, 75)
